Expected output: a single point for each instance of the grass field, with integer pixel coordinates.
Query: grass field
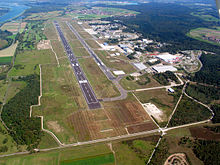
(14, 87)
(61, 97)
(56, 157)
(94, 160)
(27, 62)
(114, 63)
(47, 141)
(133, 84)
(158, 97)
(202, 34)
(124, 155)
(3, 88)
(6, 141)
(92, 43)
(100, 83)
(5, 60)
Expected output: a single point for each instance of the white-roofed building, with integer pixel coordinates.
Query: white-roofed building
(119, 72)
(140, 66)
(164, 68)
(167, 57)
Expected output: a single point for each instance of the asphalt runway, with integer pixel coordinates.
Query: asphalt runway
(88, 93)
(101, 65)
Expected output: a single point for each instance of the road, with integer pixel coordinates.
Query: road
(88, 93)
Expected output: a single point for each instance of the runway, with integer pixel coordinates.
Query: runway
(101, 65)
(88, 93)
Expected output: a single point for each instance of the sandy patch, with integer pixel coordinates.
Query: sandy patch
(54, 126)
(44, 44)
(152, 110)
(177, 159)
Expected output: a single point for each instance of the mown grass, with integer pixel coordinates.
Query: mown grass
(27, 62)
(100, 83)
(5, 60)
(94, 160)
(47, 141)
(55, 157)
(133, 84)
(61, 97)
(114, 63)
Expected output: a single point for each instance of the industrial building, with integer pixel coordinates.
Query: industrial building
(169, 58)
(164, 68)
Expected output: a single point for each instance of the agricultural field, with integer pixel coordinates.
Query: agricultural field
(13, 27)
(99, 153)
(43, 16)
(117, 118)
(5, 60)
(99, 12)
(8, 52)
(208, 35)
(144, 81)
(103, 87)
(117, 64)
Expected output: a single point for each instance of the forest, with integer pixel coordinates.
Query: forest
(205, 94)
(189, 111)
(207, 151)
(209, 73)
(163, 78)
(16, 113)
(4, 40)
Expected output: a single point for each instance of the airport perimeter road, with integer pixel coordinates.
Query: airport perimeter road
(85, 86)
(102, 66)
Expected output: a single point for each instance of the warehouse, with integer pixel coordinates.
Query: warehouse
(164, 68)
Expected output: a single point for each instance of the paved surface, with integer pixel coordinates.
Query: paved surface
(102, 66)
(85, 86)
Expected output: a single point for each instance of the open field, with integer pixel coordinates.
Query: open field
(11, 26)
(115, 119)
(61, 97)
(159, 97)
(85, 35)
(59, 156)
(100, 83)
(8, 51)
(204, 34)
(7, 144)
(44, 15)
(5, 60)
(134, 151)
(27, 62)
(128, 114)
(50, 31)
(13, 88)
(201, 132)
(92, 43)
(104, 159)
(133, 84)
(114, 63)
(3, 88)
(47, 141)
